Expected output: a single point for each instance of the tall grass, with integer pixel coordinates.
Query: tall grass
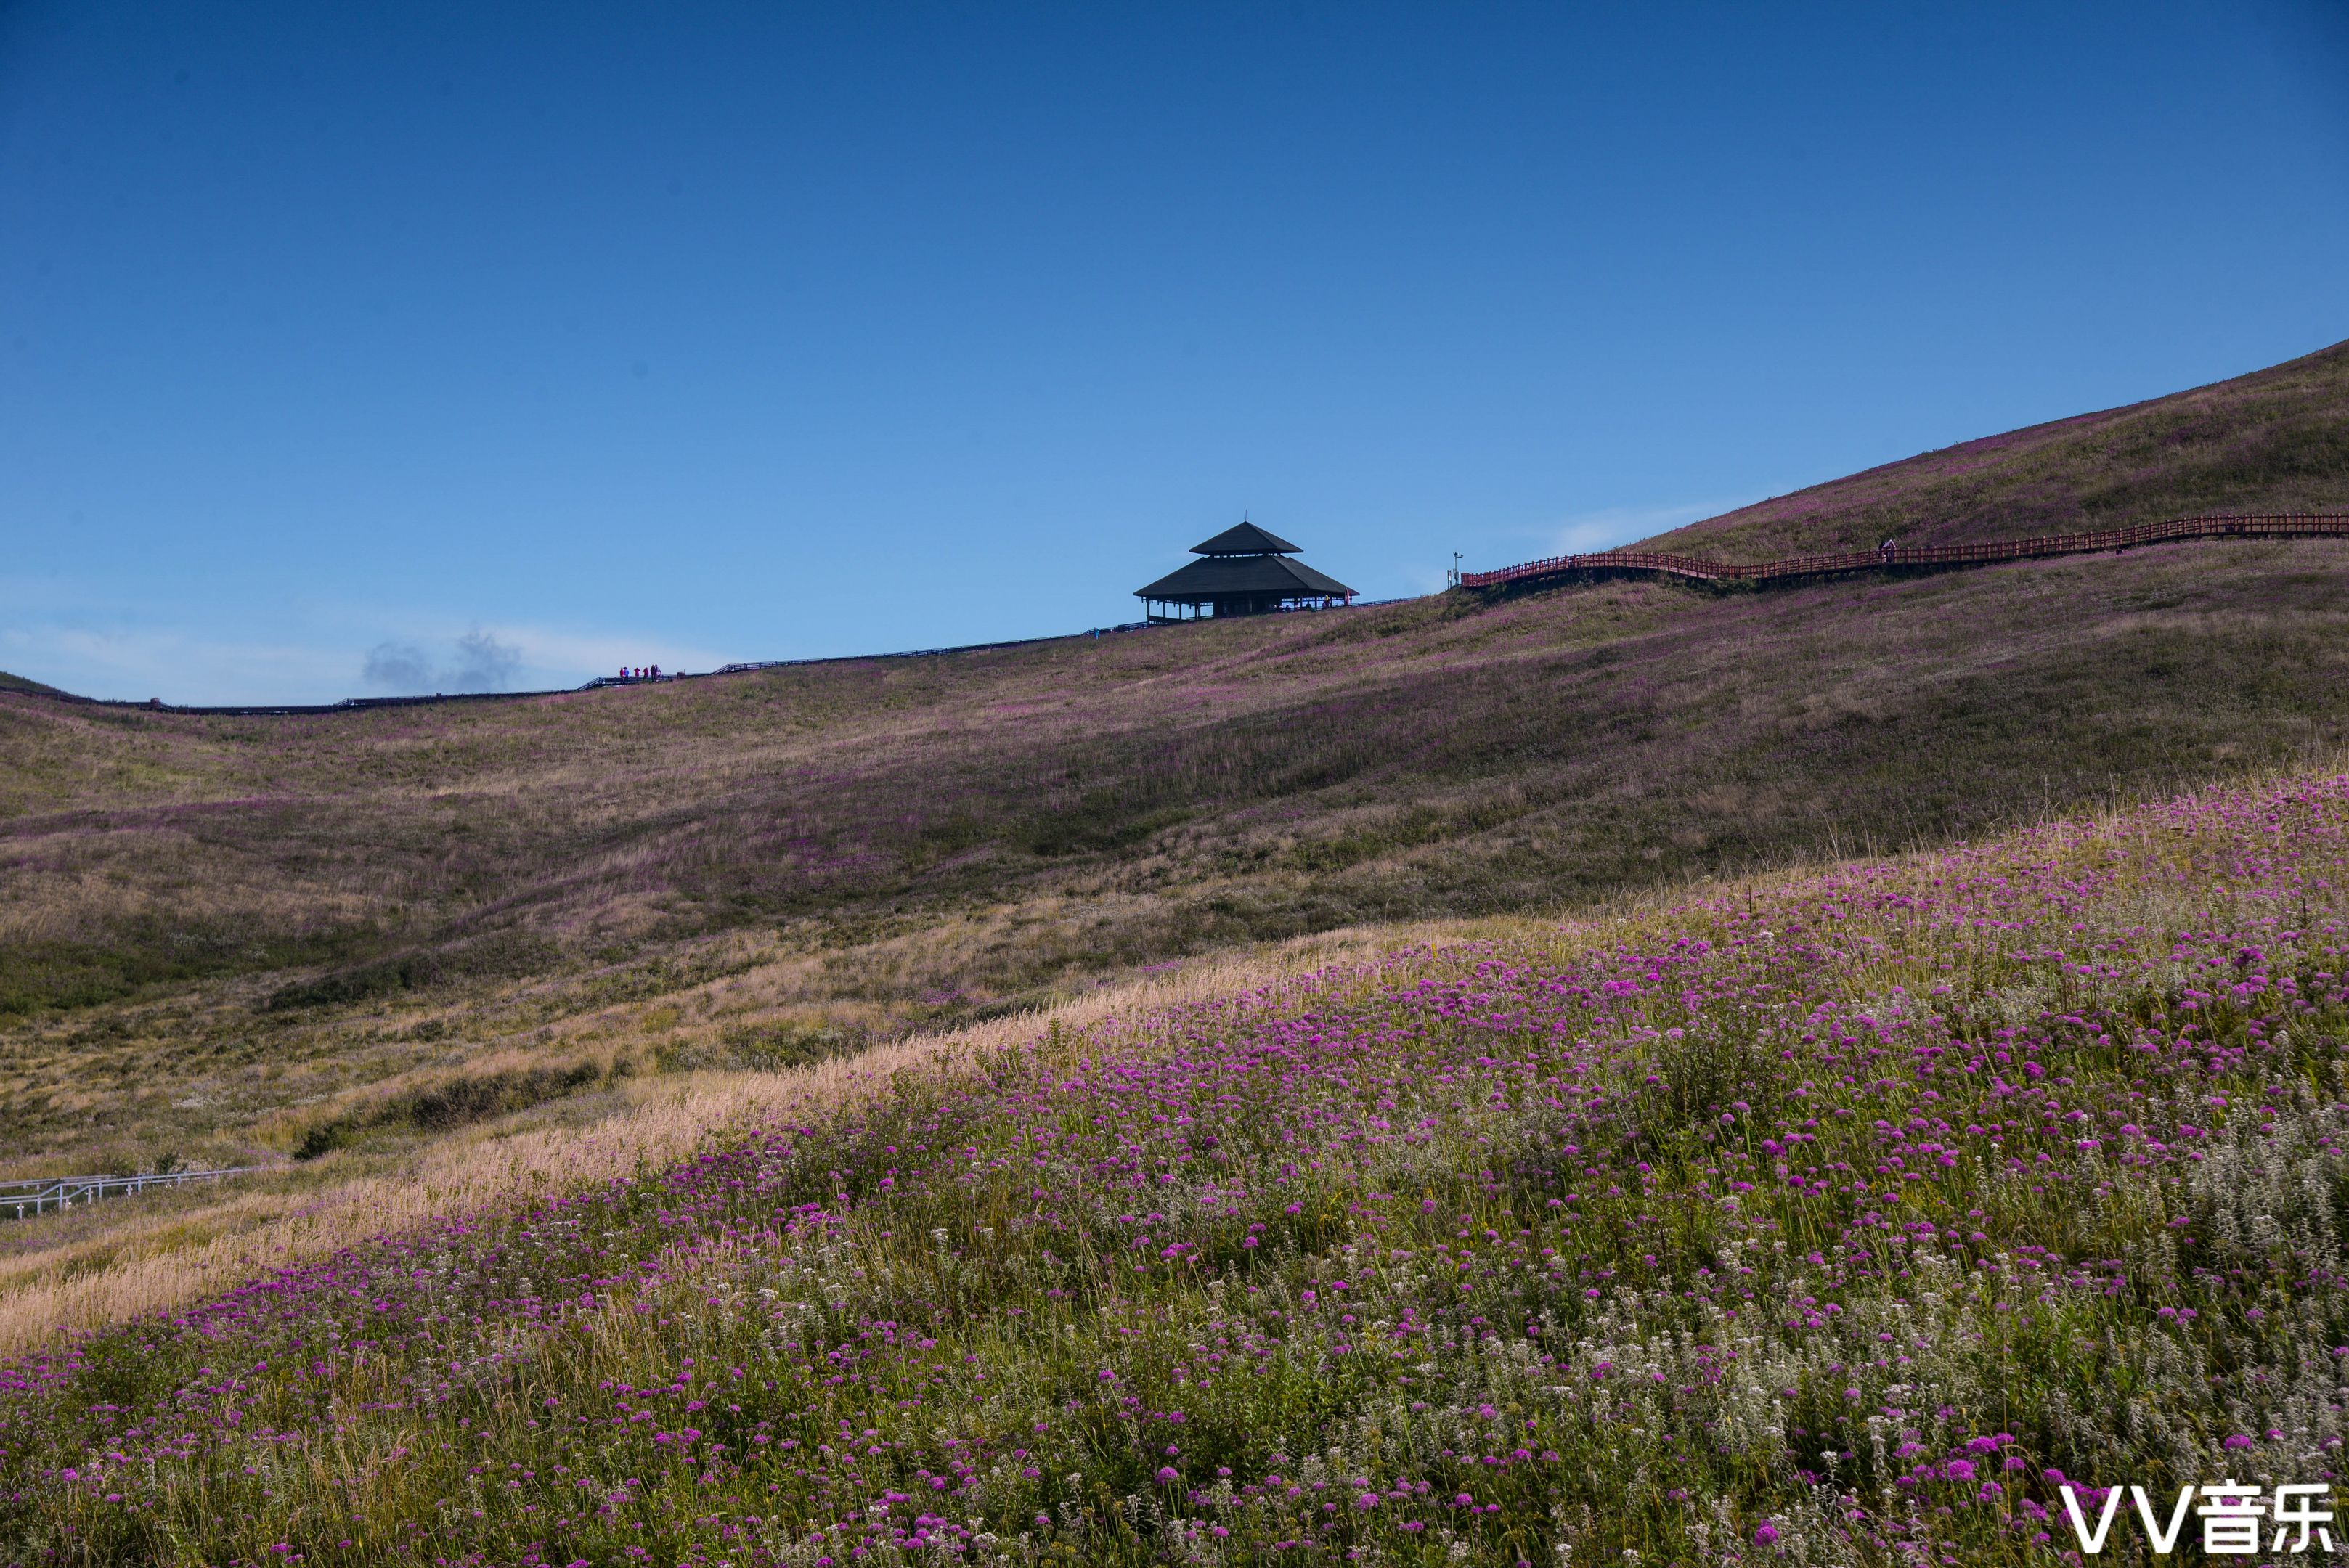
(100, 1267)
(1839, 1218)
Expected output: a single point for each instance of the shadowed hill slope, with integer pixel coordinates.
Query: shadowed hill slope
(1209, 783)
(2274, 440)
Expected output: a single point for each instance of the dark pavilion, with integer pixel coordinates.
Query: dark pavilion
(1245, 571)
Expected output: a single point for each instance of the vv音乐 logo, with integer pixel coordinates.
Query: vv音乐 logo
(2232, 1514)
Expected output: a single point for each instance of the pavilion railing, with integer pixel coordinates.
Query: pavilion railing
(1698, 569)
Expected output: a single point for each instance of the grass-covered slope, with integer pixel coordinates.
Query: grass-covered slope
(2276, 441)
(1835, 1219)
(226, 937)
(220, 931)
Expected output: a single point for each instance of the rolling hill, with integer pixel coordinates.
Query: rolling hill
(231, 938)
(1429, 1080)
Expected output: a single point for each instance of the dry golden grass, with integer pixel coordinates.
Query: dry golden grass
(135, 1261)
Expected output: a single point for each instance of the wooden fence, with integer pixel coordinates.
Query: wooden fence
(1697, 569)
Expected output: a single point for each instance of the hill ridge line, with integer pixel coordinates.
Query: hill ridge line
(363, 704)
(1607, 564)
(1593, 565)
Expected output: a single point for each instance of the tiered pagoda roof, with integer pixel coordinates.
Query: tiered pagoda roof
(1245, 570)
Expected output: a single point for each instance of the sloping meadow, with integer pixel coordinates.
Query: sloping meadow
(1836, 1219)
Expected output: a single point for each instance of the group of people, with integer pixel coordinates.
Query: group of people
(640, 673)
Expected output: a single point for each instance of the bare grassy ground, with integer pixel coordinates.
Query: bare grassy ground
(232, 940)
(2276, 441)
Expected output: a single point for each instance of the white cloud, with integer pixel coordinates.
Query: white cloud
(483, 663)
(1582, 533)
(1608, 528)
(139, 664)
(603, 653)
(50, 631)
(479, 662)
(403, 666)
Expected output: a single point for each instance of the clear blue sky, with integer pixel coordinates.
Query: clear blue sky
(514, 342)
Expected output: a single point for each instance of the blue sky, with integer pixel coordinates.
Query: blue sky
(480, 343)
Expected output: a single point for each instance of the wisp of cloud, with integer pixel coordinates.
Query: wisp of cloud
(481, 664)
(400, 665)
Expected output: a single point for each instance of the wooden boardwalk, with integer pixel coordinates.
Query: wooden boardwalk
(1698, 569)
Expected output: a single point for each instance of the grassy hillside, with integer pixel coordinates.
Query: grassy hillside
(341, 938)
(232, 934)
(1841, 1218)
(1096, 1163)
(2276, 440)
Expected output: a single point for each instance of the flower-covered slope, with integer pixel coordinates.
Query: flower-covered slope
(1835, 1219)
(2274, 440)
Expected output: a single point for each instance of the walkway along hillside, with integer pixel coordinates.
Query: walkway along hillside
(1698, 569)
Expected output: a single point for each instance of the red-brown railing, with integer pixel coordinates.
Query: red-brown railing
(1697, 569)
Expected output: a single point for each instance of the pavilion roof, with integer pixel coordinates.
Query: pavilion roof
(1246, 539)
(1230, 576)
